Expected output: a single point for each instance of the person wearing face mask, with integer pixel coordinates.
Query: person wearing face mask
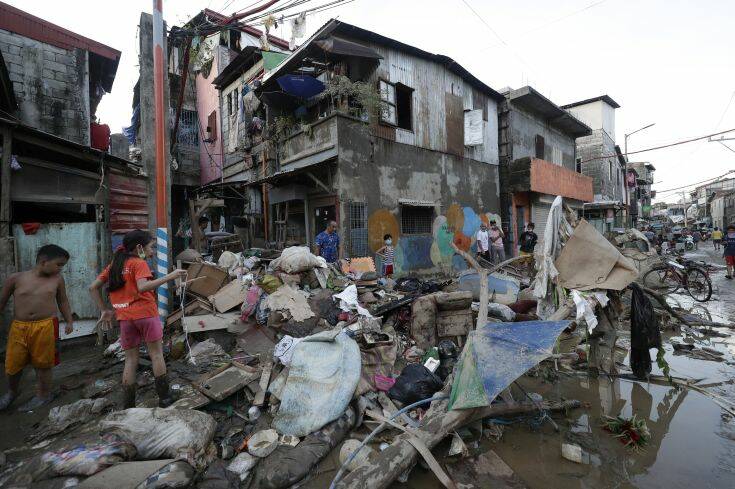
(483, 242)
(133, 297)
(387, 253)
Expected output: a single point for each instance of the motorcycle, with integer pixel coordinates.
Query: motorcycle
(689, 243)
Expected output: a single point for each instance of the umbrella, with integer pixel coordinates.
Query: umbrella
(497, 354)
(304, 86)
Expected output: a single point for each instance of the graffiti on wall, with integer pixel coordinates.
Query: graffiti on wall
(459, 225)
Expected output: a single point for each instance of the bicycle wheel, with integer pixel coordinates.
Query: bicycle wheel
(698, 285)
(662, 280)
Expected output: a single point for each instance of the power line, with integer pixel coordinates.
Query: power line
(558, 19)
(724, 112)
(695, 183)
(614, 155)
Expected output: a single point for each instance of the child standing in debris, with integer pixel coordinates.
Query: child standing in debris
(132, 294)
(497, 249)
(387, 253)
(34, 331)
(728, 244)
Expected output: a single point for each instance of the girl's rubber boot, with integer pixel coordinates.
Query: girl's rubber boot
(165, 396)
(128, 396)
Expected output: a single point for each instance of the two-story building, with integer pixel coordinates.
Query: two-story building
(538, 160)
(642, 194)
(383, 138)
(58, 182)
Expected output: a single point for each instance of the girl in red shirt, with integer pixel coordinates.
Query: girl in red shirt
(132, 295)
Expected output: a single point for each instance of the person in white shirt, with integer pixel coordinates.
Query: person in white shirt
(483, 242)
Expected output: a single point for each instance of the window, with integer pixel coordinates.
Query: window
(609, 170)
(188, 128)
(235, 102)
(579, 165)
(229, 103)
(212, 127)
(403, 106)
(416, 219)
(358, 229)
(397, 99)
(540, 146)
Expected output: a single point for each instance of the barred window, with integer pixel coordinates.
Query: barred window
(358, 230)
(416, 219)
(188, 128)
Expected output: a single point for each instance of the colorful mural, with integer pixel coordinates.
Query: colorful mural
(459, 226)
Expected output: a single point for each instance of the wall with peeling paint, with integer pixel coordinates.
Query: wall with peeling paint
(381, 173)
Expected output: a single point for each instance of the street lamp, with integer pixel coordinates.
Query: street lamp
(625, 180)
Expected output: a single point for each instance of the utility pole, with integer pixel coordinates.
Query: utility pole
(162, 240)
(625, 170)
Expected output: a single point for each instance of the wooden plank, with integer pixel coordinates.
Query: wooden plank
(265, 378)
(229, 296)
(209, 322)
(226, 382)
(454, 124)
(453, 323)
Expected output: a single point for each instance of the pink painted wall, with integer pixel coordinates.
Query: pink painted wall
(210, 154)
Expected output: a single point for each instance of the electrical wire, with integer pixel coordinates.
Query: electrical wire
(693, 184)
(677, 143)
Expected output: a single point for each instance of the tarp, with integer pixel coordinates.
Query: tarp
(335, 45)
(497, 354)
(555, 230)
(324, 372)
(303, 86)
(502, 288)
(271, 59)
(589, 261)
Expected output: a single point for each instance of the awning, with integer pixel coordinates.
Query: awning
(303, 86)
(336, 45)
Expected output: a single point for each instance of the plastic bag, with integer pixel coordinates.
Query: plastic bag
(207, 353)
(87, 459)
(270, 283)
(415, 383)
(500, 311)
(182, 434)
(251, 302)
(284, 349)
(296, 259)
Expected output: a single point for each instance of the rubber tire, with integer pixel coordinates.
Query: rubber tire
(701, 278)
(655, 278)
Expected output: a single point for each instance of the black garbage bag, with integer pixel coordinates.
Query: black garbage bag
(410, 285)
(448, 354)
(415, 383)
(644, 332)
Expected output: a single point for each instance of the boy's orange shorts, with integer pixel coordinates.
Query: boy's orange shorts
(31, 342)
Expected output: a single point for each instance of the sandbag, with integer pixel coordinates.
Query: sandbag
(423, 321)
(454, 301)
(415, 383)
(297, 259)
(287, 465)
(181, 434)
(324, 372)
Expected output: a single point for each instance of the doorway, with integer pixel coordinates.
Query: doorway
(322, 216)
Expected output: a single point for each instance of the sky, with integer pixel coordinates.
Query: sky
(668, 62)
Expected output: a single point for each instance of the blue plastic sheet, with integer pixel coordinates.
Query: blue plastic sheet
(304, 86)
(496, 355)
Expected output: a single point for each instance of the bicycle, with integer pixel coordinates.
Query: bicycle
(670, 276)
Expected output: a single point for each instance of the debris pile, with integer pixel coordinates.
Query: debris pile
(280, 359)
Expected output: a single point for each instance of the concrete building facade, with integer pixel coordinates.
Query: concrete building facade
(425, 169)
(58, 76)
(537, 160)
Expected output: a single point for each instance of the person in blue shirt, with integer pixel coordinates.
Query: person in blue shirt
(327, 243)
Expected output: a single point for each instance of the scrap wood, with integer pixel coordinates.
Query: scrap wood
(230, 296)
(437, 424)
(265, 378)
(421, 447)
(209, 322)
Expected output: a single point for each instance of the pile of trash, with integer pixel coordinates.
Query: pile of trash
(280, 359)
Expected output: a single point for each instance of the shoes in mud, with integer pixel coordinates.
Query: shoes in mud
(35, 403)
(7, 400)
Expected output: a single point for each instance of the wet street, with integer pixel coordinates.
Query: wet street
(692, 438)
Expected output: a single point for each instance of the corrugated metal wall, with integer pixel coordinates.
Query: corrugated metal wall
(431, 83)
(128, 203)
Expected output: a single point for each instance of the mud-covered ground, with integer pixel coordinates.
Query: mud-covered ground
(692, 438)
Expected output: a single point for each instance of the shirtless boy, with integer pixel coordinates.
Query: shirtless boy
(32, 338)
